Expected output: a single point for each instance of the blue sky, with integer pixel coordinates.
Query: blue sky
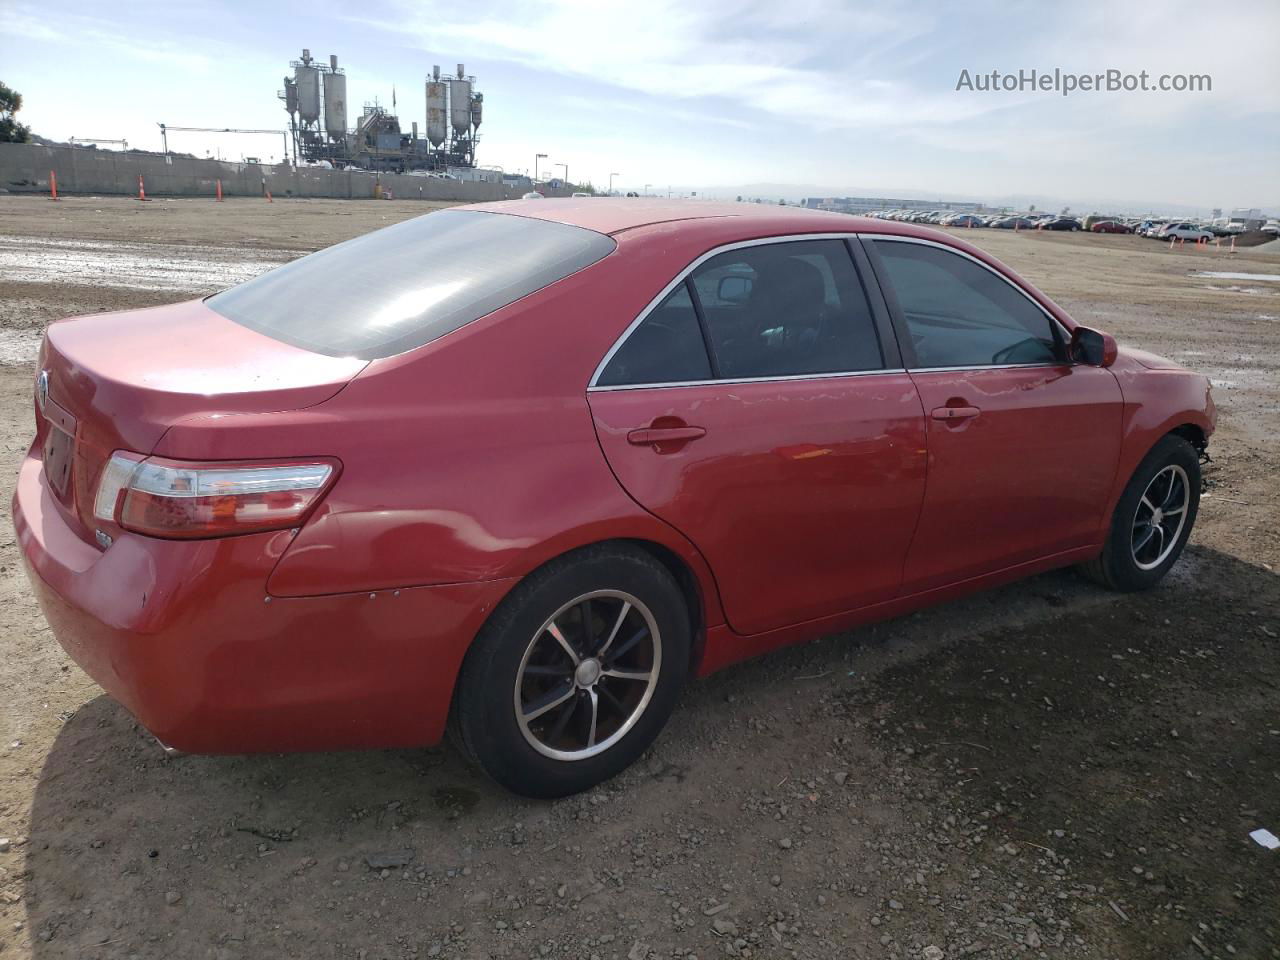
(718, 93)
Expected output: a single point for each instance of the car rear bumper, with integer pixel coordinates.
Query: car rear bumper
(185, 636)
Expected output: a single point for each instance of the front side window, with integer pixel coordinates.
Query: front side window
(960, 314)
(786, 309)
(408, 284)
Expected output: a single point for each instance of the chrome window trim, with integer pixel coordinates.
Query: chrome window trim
(879, 371)
(594, 387)
(680, 278)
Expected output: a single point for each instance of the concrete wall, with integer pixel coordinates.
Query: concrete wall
(25, 167)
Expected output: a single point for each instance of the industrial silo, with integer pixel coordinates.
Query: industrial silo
(460, 102)
(307, 79)
(335, 102)
(477, 109)
(290, 95)
(436, 123)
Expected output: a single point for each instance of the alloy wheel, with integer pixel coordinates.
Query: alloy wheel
(587, 675)
(1160, 517)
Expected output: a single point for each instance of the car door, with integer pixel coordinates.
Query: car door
(1023, 444)
(760, 407)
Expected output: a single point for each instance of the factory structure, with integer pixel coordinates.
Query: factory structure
(315, 97)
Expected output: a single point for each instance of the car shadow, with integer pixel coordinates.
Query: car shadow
(384, 853)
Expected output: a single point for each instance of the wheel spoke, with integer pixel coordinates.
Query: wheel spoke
(612, 700)
(1151, 507)
(1174, 513)
(545, 670)
(562, 721)
(617, 625)
(595, 713)
(555, 632)
(644, 675)
(1174, 487)
(1141, 545)
(548, 701)
(627, 644)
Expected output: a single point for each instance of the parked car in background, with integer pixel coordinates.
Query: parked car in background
(1272, 227)
(1111, 226)
(1060, 223)
(1185, 231)
(1014, 223)
(965, 220)
(266, 527)
(1149, 228)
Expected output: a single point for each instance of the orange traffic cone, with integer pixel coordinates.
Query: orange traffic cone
(268, 196)
(53, 185)
(219, 197)
(142, 192)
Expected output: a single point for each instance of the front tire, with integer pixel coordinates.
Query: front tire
(1153, 519)
(576, 672)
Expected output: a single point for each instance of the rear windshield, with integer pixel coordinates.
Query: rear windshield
(403, 286)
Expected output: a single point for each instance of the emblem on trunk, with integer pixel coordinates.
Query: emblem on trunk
(42, 388)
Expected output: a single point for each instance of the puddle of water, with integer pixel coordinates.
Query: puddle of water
(19, 346)
(1246, 377)
(137, 266)
(1227, 275)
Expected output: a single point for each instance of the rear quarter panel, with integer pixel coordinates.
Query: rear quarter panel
(472, 458)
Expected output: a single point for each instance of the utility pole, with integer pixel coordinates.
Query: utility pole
(611, 176)
(536, 158)
(646, 188)
(565, 167)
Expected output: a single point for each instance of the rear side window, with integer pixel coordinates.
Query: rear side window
(960, 314)
(787, 309)
(667, 347)
(408, 284)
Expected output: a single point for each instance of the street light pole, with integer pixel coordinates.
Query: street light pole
(536, 158)
(565, 166)
(611, 176)
(646, 188)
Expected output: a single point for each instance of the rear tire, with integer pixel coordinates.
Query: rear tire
(1153, 519)
(603, 636)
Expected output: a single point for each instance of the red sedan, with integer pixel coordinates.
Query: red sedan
(524, 468)
(1111, 226)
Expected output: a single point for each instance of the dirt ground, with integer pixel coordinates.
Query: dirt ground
(1046, 770)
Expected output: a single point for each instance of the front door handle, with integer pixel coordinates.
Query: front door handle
(648, 435)
(954, 413)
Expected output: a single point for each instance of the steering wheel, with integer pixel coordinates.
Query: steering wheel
(1009, 354)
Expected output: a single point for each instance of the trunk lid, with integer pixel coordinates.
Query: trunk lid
(119, 381)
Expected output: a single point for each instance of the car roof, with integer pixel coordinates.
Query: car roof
(718, 223)
(611, 215)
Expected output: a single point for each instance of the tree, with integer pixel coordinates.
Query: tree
(11, 131)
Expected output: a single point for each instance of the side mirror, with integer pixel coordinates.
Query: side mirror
(1093, 347)
(734, 289)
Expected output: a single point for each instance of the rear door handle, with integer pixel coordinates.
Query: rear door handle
(650, 435)
(954, 413)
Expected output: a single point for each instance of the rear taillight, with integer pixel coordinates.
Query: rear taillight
(171, 498)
